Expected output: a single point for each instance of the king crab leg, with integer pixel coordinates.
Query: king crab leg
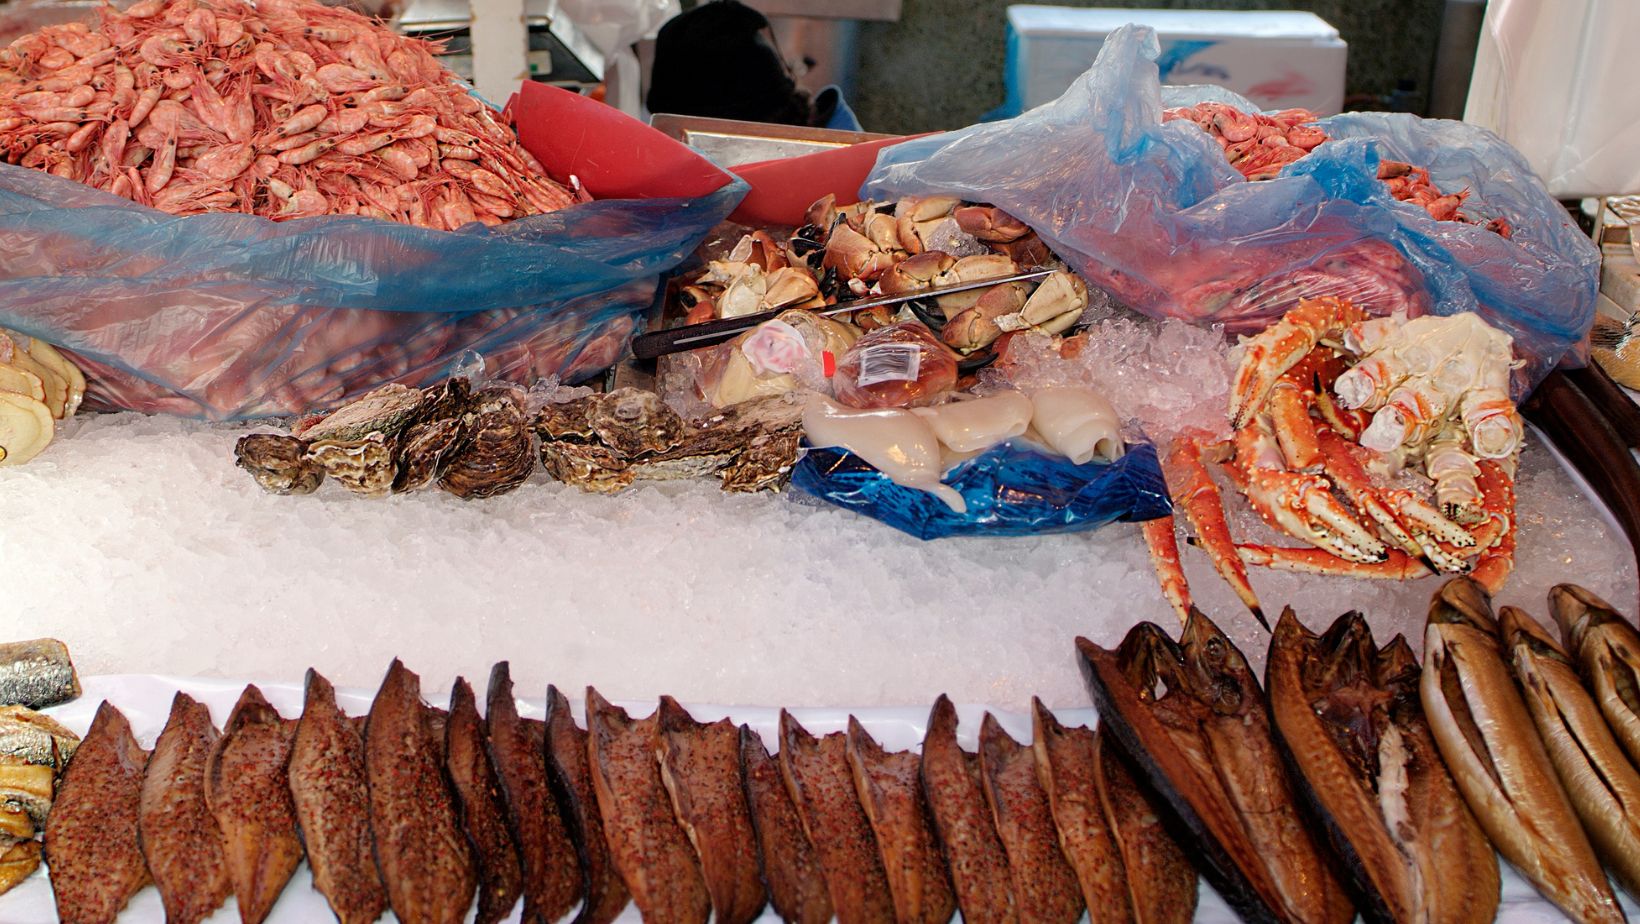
(1497, 534)
(1398, 566)
(1194, 492)
(1164, 555)
(1271, 353)
(1298, 504)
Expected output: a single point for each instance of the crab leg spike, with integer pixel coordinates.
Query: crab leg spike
(1194, 491)
(1399, 566)
(1164, 555)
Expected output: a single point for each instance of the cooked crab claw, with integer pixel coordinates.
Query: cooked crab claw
(1490, 744)
(1267, 356)
(916, 273)
(991, 224)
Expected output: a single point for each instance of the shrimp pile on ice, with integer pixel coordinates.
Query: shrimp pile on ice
(284, 109)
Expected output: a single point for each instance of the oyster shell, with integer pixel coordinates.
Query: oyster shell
(278, 463)
(568, 420)
(449, 399)
(363, 466)
(496, 456)
(766, 462)
(632, 421)
(588, 466)
(386, 410)
(423, 451)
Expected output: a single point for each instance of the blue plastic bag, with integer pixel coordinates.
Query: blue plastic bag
(1154, 213)
(234, 316)
(1012, 489)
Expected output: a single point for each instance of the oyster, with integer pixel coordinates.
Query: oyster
(496, 456)
(363, 466)
(568, 420)
(424, 450)
(448, 399)
(766, 462)
(386, 411)
(632, 421)
(279, 463)
(588, 466)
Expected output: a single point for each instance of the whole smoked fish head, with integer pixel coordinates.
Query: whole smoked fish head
(1348, 715)
(332, 800)
(92, 843)
(1205, 746)
(423, 857)
(248, 790)
(181, 840)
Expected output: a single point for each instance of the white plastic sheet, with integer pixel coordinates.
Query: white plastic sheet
(1558, 80)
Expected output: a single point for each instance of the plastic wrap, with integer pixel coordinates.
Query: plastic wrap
(1012, 489)
(233, 316)
(1155, 215)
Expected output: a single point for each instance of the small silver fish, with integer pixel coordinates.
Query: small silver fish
(33, 738)
(37, 674)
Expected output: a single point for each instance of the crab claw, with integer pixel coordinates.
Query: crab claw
(744, 295)
(1268, 355)
(854, 255)
(991, 224)
(790, 286)
(915, 273)
(1303, 506)
(1028, 251)
(1060, 296)
(914, 216)
(701, 302)
(971, 269)
(882, 230)
(823, 212)
(978, 325)
(759, 248)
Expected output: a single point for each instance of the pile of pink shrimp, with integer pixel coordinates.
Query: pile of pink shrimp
(284, 109)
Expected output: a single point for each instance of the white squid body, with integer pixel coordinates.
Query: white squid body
(896, 442)
(1420, 372)
(978, 424)
(1077, 423)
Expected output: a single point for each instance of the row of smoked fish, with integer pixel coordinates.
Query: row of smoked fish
(419, 809)
(1353, 780)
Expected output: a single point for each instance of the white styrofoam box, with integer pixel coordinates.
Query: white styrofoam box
(1556, 78)
(1277, 59)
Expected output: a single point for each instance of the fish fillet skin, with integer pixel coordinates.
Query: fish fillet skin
(1045, 886)
(1067, 770)
(424, 859)
(332, 800)
(646, 843)
(700, 768)
(181, 840)
(791, 871)
(890, 789)
(483, 817)
(92, 846)
(1159, 874)
(551, 868)
(37, 674)
(968, 836)
(817, 775)
(571, 777)
(248, 790)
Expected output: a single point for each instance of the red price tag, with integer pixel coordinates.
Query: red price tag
(828, 363)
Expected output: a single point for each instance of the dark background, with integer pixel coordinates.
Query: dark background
(941, 65)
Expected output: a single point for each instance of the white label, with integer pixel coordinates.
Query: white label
(889, 362)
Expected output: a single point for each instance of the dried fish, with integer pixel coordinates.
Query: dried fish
(700, 768)
(328, 788)
(1496, 758)
(478, 794)
(37, 674)
(1205, 746)
(92, 846)
(248, 790)
(1348, 715)
(791, 870)
(33, 738)
(181, 840)
(968, 836)
(571, 778)
(27, 786)
(1607, 650)
(552, 872)
(646, 843)
(1603, 786)
(1045, 887)
(822, 787)
(18, 862)
(890, 789)
(1159, 875)
(424, 859)
(1066, 768)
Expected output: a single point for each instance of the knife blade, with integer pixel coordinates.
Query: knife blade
(694, 336)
